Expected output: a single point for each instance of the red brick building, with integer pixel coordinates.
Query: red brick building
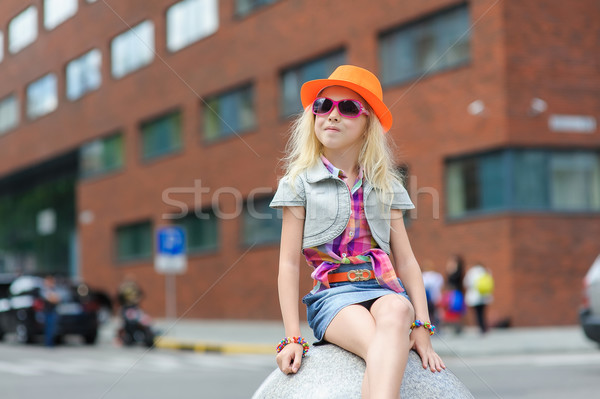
(108, 133)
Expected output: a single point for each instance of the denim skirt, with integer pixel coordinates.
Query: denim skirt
(324, 305)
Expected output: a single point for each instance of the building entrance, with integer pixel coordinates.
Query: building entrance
(37, 218)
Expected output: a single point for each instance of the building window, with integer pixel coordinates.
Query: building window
(84, 74)
(134, 242)
(101, 156)
(58, 11)
(521, 180)
(201, 231)
(132, 50)
(261, 224)
(229, 113)
(42, 97)
(189, 21)
(292, 79)
(9, 113)
(244, 7)
(161, 136)
(427, 46)
(22, 30)
(1, 46)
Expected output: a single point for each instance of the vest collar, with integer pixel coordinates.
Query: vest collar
(318, 172)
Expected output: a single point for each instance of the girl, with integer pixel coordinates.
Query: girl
(342, 208)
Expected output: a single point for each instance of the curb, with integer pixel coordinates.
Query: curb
(212, 347)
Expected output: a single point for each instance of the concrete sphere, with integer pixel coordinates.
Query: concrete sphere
(329, 372)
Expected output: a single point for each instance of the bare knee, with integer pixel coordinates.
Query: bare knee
(393, 313)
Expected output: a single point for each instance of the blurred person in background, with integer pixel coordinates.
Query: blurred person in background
(479, 284)
(129, 292)
(433, 282)
(51, 298)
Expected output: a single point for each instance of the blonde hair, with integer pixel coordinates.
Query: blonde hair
(376, 156)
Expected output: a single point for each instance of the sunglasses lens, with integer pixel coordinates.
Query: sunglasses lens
(349, 108)
(322, 106)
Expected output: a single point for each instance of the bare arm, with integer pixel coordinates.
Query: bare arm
(290, 357)
(410, 274)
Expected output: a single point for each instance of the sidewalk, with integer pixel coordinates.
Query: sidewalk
(261, 337)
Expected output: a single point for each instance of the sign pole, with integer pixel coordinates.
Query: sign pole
(170, 260)
(170, 296)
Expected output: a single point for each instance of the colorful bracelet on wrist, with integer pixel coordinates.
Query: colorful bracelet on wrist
(293, 340)
(426, 324)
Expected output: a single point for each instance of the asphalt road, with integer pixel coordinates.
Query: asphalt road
(76, 371)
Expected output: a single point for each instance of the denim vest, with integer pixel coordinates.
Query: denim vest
(327, 202)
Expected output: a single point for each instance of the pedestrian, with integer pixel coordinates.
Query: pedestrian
(455, 272)
(479, 285)
(453, 299)
(342, 206)
(434, 283)
(51, 298)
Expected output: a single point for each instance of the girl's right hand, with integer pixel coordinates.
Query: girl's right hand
(290, 358)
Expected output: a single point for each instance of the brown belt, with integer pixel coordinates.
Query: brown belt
(351, 276)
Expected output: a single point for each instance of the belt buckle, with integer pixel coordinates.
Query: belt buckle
(359, 275)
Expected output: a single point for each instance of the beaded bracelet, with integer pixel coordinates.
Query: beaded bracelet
(426, 324)
(295, 340)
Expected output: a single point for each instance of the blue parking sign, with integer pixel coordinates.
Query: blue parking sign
(171, 240)
(170, 250)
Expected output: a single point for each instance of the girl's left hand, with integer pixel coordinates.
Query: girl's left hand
(421, 342)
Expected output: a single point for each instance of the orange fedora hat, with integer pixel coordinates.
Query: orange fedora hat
(354, 78)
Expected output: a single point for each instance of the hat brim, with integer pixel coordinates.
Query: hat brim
(311, 89)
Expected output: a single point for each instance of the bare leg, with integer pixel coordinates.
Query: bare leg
(380, 337)
(388, 352)
(353, 329)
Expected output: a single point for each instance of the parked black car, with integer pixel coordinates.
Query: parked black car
(590, 312)
(21, 312)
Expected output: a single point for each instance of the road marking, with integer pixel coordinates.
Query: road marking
(119, 364)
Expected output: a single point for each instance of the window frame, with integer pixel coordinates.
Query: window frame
(208, 108)
(278, 213)
(132, 37)
(35, 30)
(511, 202)
(83, 59)
(138, 257)
(190, 38)
(28, 95)
(174, 113)
(17, 113)
(409, 28)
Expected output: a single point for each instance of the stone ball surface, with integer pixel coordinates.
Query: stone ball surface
(329, 372)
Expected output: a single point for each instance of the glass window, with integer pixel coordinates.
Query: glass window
(22, 30)
(101, 156)
(243, 7)
(575, 181)
(84, 74)
(202, 231)
(229, 113)
(426, 46)
(134, 241)
(161, 136)
(42, 97)
(292, 79)
(1, 46)
(530, 183)
(191, 20)
(9, 113)
(133, 49)
(58, 11)
(261, 224)
(539, 180)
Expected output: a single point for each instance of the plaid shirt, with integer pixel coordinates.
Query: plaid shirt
(354, 246)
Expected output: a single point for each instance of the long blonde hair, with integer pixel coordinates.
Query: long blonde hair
(376, 156)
